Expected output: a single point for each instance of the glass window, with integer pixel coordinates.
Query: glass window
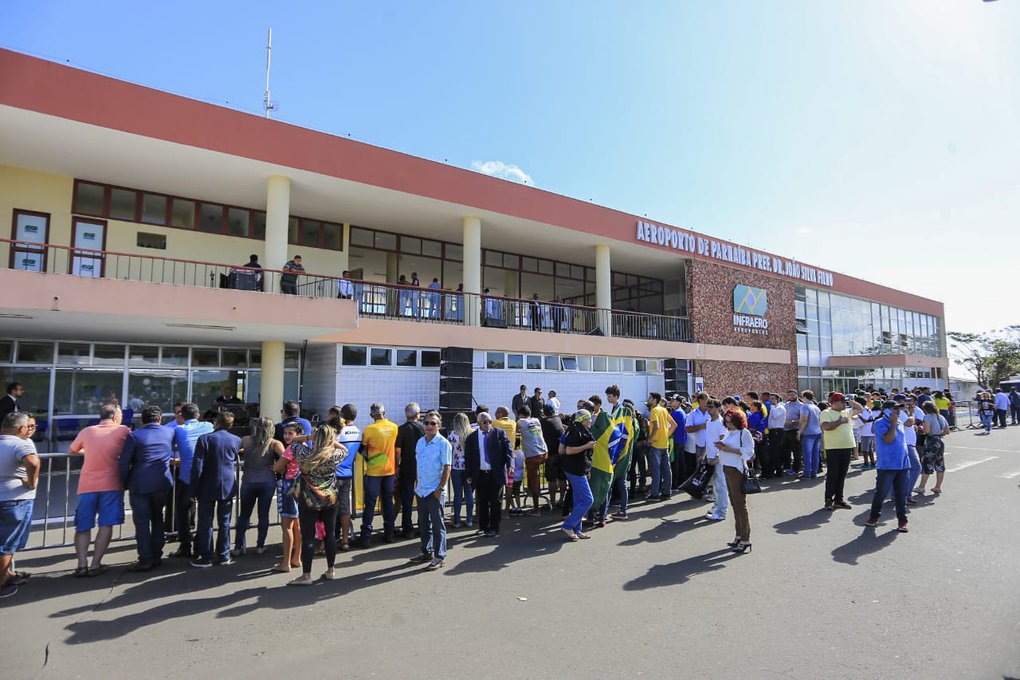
(292, 229)
(73, 353)
(599, 364)
(569, 363)
(640, 365)
(384, 241)
(82, 391)
(122, 204)
(235, 357)
(430, 358)
(237, 221)
(362, 237)
(614, 364)
(255, 358)
(381, 356)
(291, 358)
(353, 355)
(552, 362)
(333, 236)
(182, 214)
(410, 244)
(454, 252)
(204, 356)
(108, 355)
(311, 233)
(407, 357)
(511, 261)
(207, 385)
(628, 365)
(153, 209)
(143, 355)
(88, 199)
(36, 382)
(534, 362)
(515, 362)
(431, 248)
(545, 267)
(492, 258)
(175, 356)
(210, 218)
(258, 225)
(161, 388)
(35, 352)
(584, 363)
(6, 350)
(529, 264)
(495, 360)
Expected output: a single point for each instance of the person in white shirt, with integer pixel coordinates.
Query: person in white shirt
(776, 423)
(554, 402)
(715, 431)
(865, 434)
(735, 450)
(697, 422)
(910, 417)
(345, 288)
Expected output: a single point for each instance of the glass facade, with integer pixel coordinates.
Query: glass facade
(831, 325)
(65, 382)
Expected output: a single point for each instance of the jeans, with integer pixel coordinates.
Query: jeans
(183, 506)
(147, 513)
(721, 490)
(915, 468)
(891, 482)
(252, 492)
(463, 494)
(431, 525)
(583, 499)
(811, 444)
(406, 491)
(986, 419)
(662, 474)
(204, 532)
(374, 487)
(308, 517)
(620, 485)
(838, 461)
(1014, 412)
(1000, 415)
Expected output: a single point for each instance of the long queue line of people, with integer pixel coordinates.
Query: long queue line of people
(310, 471)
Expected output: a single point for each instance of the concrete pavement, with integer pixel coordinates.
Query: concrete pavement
(656, 596)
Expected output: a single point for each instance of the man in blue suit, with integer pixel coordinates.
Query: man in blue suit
(214, 484)
(488, 459)
(145, 471)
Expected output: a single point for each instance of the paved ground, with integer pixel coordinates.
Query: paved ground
(657, 596)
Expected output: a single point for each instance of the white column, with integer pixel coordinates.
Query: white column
(472, 270)
(604, 288)
(277, 224)
(271, 399)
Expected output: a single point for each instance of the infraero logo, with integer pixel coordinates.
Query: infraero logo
(753, 301)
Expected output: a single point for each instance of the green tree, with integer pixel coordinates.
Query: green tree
(991, 357)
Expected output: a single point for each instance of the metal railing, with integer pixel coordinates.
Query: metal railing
(375, 300)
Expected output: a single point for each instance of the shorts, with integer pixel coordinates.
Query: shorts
(343, 496)
(532, 466)
(109, 505)
(286, 504)
(868, 443)
(15, 523)
(553, 472)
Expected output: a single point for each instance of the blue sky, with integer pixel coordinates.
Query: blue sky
(876, 138)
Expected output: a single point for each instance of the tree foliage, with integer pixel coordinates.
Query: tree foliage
(991, 357)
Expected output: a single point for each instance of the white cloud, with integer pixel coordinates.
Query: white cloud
(804, 231)
(503, 171)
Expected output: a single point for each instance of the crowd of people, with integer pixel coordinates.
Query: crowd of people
(593, 458)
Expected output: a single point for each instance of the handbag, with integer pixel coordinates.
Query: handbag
(698, 482)
(750, 483)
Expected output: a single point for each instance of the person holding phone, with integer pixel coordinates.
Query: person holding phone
(735, 450)
(893, 464)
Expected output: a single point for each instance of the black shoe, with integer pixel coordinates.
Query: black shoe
(140, 566)
(181, 552)
(158, 562)
(742, 548)
(201, 562)
(421, 558)
(388, 539)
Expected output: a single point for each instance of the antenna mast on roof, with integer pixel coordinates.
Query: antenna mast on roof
(267, 104)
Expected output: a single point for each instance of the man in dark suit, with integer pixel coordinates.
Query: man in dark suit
(488, 459)
(145, 471)
(214, 484)
(9, 402)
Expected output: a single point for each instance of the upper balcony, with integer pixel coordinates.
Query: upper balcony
(161, 295)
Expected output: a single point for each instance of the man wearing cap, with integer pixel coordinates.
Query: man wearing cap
(893, 464)
(838, 436)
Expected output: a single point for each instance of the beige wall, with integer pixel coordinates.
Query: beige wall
(28, 190)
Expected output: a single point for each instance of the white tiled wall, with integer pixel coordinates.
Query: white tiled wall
(319, 391)
(394, 387)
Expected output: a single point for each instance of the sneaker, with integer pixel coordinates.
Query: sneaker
(708, 498)
(456, 524)
(715, 518)
(226, 562)
(789, 473)
(828, 505)
(843, 504)
(490, 534)
(902, 528)
(437, 563)
(872, 522)
(421, 558)
(668, 497)
(619, 515)
(201, 562)
(652, 499)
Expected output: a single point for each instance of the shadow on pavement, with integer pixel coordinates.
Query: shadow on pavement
(680, 572)
(870, 541)
(796, 525)
(666, 530)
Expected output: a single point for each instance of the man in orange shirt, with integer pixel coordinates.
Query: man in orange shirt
(100, 491)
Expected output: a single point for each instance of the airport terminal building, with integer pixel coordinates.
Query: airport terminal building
(133, 214)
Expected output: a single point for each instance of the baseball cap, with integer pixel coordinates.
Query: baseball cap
(837, 396)
(890, 404)
(675, 396)
(900, 397)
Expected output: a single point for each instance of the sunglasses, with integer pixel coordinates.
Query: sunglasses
(431, 423)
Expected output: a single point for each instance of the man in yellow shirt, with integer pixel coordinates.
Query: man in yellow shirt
(838, 437)
(504, 423)
(660, 429)
(378, 445)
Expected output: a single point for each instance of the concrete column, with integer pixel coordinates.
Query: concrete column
(604, 288)
(271, 400)
(392, 267)
(472, 270)
(510, 287)
(277, 225)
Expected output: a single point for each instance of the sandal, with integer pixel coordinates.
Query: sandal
(280, 569)
(16, 580)
(936, 491)
(96, 571)
(80, 572)
(301, 582)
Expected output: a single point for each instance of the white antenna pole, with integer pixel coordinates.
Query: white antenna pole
(267, 105)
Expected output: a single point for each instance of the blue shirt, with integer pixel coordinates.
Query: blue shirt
(890, 455)
(185, 437)
(350, 436)
(812, 412)
(680, 433)
(431, 456)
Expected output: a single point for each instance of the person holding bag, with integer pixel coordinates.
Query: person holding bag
(316, 493)
(735, 450)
